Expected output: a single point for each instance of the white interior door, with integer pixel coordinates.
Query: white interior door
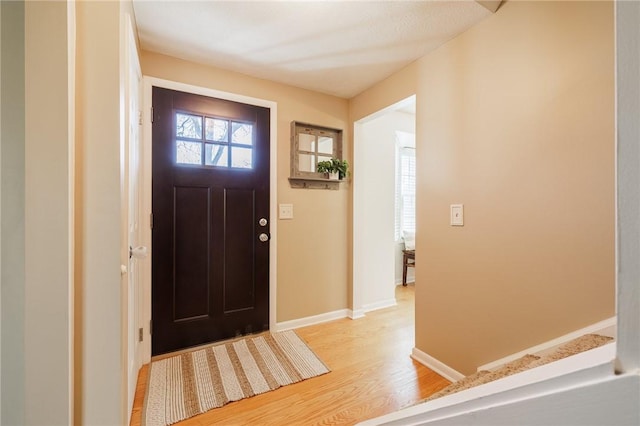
(137, 251)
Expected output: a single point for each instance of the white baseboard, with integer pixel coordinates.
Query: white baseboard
(379, 305)
(312, 320)
(439, 367)
(358, 313)
(603, 327)
(410, 280)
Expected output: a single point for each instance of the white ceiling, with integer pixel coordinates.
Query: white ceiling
(335, 47)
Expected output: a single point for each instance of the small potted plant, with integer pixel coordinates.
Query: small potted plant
(326, 167)
(334, 169)
(342, 167)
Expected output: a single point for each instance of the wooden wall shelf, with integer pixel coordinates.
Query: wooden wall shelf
(314, 183)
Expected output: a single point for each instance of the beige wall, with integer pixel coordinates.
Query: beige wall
(393, 89)
(37, 146)
(48, 218)
(515, 119)
(12, 188)
(312, 248)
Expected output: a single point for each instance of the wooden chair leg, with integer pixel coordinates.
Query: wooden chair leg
(404, 272)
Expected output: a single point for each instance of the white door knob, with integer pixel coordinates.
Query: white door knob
(139, 252)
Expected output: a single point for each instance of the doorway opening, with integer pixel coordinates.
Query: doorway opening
(377, 243)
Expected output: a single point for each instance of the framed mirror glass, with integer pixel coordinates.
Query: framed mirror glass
(311, 144)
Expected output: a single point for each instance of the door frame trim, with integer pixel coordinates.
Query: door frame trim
(148, 84)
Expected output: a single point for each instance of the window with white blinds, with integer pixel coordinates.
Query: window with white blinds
(405, 217)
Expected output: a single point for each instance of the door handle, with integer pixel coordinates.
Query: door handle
(264, 237)
(139, 252)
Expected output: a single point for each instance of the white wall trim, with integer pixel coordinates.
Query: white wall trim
(148, 84)
(358, 313)
(71, 334)
(312, 320)
(379, 305)
(357, 284)
(627, 20)
(71, 85)
(598, 327)
(436, 365)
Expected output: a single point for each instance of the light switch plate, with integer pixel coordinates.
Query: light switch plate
(285, 211)
(457, 215)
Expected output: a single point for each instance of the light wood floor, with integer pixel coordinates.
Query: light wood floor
(371, 374)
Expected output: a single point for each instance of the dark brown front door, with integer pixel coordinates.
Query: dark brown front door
(210, 268)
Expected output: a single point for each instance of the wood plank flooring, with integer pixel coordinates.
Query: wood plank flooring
(371, 375)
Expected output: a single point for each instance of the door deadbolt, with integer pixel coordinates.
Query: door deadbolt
(263, 222)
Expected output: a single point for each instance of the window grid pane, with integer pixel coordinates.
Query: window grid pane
(215, 145)
(405, 218)
(408, 188)
(242, 133)
(217, 155)
(325, 145)
(307, 162)
(241, 157)
(188, 152)
(217, 130)
(188, 126)
(306, 143)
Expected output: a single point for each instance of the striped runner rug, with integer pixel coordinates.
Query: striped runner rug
(188, 384)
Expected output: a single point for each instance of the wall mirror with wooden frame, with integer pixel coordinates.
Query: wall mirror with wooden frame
(311, 144)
